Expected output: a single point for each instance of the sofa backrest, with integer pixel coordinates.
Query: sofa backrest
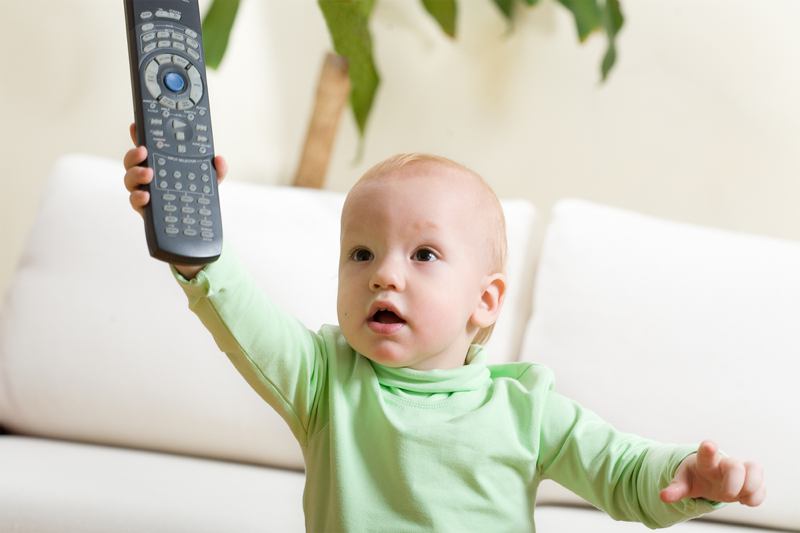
(97, 343)
(679, 333)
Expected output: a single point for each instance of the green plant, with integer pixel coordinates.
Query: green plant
(348, 24)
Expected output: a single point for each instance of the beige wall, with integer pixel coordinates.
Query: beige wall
(699, 121)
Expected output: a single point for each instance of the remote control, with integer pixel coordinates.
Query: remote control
(170, 101)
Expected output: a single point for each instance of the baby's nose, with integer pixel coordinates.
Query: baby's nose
(387, 276)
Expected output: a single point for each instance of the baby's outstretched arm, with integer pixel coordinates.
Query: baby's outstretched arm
(710, 475)
(136, 176)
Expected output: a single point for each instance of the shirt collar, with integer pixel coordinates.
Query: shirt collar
(472, 375)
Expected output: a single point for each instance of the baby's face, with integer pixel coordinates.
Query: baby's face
(412, 267)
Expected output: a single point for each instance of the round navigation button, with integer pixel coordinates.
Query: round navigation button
(174, 82)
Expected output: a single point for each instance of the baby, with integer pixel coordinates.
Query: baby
(402, 423)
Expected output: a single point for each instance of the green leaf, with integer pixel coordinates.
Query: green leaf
(506, 7)
(444, 12)
(613, 21)
(347, 22)
(531, 2)
(587, 14)
(217, 25)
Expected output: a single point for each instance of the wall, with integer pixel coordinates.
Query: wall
(698, 121)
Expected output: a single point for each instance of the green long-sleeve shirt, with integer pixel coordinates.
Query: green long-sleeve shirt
(397, 449)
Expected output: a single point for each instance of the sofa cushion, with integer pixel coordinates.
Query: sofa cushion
(565, 518)
(97, 343)
(52, 486)
(678, 333)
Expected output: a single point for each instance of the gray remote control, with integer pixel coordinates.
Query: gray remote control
(170, 101)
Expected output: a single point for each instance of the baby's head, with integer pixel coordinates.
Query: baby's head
(421, 267)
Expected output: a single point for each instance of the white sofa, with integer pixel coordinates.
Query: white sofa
(121, 415)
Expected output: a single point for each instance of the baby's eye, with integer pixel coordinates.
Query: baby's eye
(361, 254)
(425, 254)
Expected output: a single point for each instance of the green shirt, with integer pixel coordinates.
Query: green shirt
(398, 449)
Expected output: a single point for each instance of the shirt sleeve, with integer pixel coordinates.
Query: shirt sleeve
(620, 473)
(279, 357)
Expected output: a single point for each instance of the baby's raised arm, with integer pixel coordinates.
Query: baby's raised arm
(136, 177)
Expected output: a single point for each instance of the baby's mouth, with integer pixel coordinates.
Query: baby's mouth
(385, 316)
(385, 321)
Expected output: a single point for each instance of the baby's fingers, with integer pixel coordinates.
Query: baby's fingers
(135, 177)
(222, 168)
(733, 477)
(134, 156)
(138, 200)
(754, 490)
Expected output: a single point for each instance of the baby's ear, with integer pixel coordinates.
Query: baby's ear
(492, 297)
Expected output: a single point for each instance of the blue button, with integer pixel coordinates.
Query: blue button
(174, 82)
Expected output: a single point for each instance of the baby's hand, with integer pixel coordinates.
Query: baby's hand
(136, 176)
(708, 474)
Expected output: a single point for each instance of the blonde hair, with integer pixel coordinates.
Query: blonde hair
(497, 243)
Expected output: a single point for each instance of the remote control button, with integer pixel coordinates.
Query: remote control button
(144, 15)
(174, 82)
(189, 221)
(163, 35)
(191, 42)
(194, 76)
(148, 37)
(147, 27)
(172, 230)
(190, 232)
(180, 61)
(191, 33)
(164, 59)
(194, 54)
(178, 46)
(157, 122)
(179, 37)
(164, 44)
(168, 102)
(168, 197)
(208, 234)
(162, 173)
(172, 14)
(188, 210)
(203, 201)
(206, 189)
(204, 166)
(157, 133)
(178, 186)
(187, 199)
(151, 69)
(206, 178)
(149, 48)
(202, 150)
(170, 208)
(192, 176)
(176, 174)
(170, 219)
(206, 223)
(202, 127)
(202, 139)
(181, 148)
(185, 104)
(192, 187)
(205, 212)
